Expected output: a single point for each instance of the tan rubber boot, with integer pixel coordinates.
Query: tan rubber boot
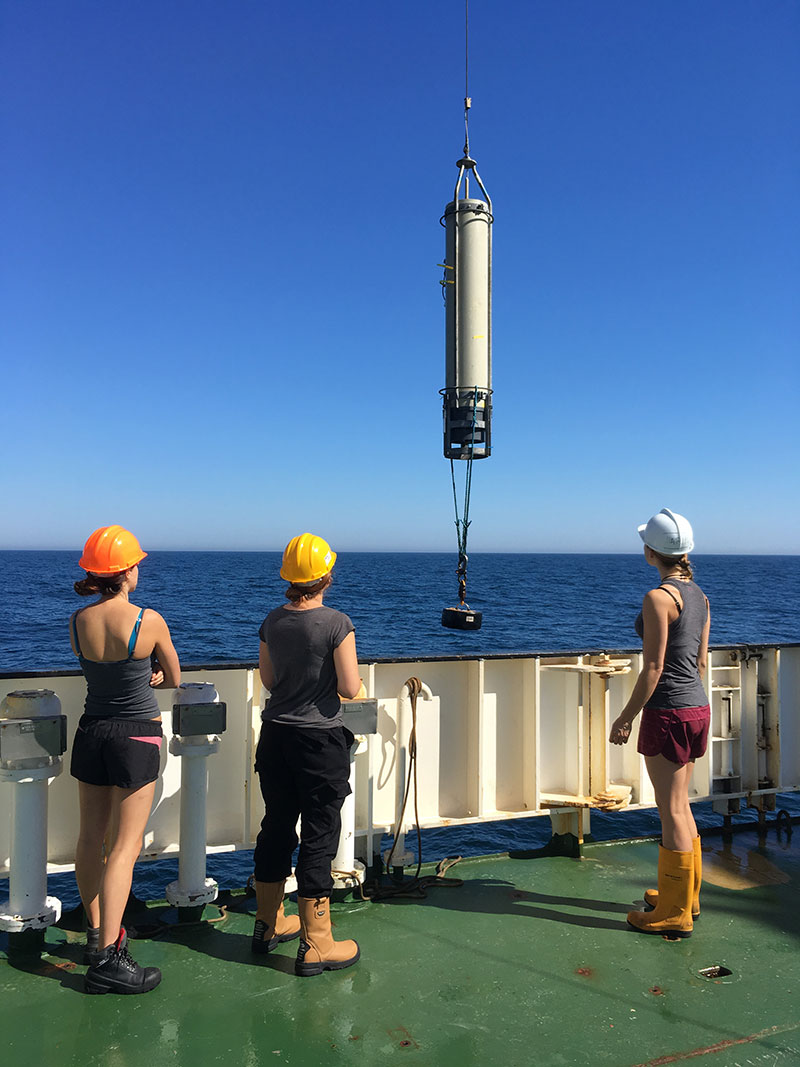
(651, 895)
(673, 915)
(272, 924)
(318, 951)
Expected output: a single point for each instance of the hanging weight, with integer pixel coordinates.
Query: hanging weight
(461, 619)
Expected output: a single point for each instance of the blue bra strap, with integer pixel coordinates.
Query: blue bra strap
(73, 622)
(135, 633)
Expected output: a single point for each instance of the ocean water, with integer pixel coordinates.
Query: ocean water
(214, 602)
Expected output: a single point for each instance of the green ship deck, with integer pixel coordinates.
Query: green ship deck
(530, 961)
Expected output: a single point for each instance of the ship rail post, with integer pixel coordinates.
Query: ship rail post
(33, 739)
(198, 718)
(361, 718)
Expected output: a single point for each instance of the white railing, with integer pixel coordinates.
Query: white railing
(503, 737)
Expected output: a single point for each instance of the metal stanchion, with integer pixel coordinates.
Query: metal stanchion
(198, 717)
(33, 738)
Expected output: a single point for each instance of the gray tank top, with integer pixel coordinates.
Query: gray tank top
(680, 685)
(119, 689)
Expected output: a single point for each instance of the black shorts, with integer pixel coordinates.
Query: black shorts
(125, 753)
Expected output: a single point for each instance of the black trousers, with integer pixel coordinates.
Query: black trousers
(303, 773)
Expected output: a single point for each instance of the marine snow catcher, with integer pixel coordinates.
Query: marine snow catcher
(467, 396)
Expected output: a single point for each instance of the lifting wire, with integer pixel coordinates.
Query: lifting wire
(462, 524)
(467, 98)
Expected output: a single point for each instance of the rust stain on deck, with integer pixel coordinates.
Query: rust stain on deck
(719, 1046)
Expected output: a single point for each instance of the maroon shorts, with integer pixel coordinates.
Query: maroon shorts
(678, 735)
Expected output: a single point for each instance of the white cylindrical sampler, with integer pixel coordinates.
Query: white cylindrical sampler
(468, 313)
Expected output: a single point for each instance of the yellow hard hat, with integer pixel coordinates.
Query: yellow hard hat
(111, 550)
(307, 558)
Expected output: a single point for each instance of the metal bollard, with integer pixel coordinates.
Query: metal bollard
(198, 717)
(33, 738)
(347, 871)
(361, 718)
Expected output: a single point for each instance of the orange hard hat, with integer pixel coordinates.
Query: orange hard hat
(110, 550)
(306, 559)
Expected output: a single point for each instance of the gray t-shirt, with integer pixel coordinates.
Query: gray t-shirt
(301, 645)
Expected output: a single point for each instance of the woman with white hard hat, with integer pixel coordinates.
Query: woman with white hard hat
(125, 652)
(674, 625)
(307, 660)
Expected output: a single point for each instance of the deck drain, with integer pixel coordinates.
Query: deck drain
(715, 972)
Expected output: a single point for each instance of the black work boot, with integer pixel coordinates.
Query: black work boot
(114, 970)
(92, 945)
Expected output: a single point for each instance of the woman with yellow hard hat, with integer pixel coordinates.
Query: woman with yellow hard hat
(125, 652)
(307, 659)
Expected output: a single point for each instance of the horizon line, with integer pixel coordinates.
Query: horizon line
(429, 552)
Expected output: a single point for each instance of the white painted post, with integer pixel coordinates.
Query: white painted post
(192, 888)
(28, 906)
(347, 871)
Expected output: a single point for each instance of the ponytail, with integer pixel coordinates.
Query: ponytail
(672, 561)
(297, 592)
(686, 567)
(104, 584)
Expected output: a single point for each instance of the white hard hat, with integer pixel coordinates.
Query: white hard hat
(668, 533)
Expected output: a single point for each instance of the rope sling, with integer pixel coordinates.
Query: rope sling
(462, 523)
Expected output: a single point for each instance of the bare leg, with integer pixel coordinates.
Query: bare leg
(95, 809)
(671, 786)
(113, 830)
(131, 812)
(692, 825)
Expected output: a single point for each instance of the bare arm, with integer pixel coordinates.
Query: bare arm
(71, 637)
(702, 652)
(265, 668)
(169, 667)
(348, 681)
(655, 616)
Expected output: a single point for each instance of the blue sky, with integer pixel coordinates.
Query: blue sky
(220, 299)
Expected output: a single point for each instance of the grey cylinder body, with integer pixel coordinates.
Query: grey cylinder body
(468, 313)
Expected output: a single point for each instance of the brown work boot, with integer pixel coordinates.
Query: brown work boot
(318, 951)
(272, 924)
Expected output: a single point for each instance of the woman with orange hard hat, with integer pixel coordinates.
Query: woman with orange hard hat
(125, 653)
(307, 660)
(674, 626)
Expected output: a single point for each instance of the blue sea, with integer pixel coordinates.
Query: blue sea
(214, 603)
